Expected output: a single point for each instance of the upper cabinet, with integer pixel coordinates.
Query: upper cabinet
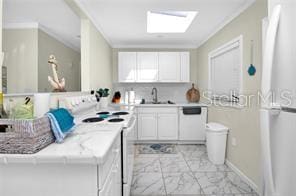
(147, 66)
(127, 67)
(185, 67)
(152, 67)
(169, 66)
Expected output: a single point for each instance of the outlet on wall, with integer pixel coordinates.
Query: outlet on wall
(233, 141)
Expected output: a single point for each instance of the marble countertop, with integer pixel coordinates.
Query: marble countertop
(88, 144)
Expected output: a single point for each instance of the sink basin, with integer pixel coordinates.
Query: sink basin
(160, 102)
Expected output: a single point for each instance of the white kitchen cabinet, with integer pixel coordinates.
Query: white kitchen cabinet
(156, 123)
(127, 66)
(147, 67)
(169, 66)
(167, 126)
(184, 67)
(147, 126)
(152, 67)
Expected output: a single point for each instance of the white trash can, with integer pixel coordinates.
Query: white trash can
(216, 142)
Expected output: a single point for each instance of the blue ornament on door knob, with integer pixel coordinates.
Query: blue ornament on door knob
(252, 70)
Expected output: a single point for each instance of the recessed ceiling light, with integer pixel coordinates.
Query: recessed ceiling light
(169, 21)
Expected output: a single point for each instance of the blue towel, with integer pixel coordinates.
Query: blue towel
(62, 123)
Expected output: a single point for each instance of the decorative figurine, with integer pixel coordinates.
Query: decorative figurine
(58, 85)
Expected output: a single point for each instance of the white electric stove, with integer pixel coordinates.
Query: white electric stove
(85, 113)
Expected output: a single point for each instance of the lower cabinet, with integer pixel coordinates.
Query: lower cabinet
(147, 126)
(113, 186)
(167, 126)
(157, 124)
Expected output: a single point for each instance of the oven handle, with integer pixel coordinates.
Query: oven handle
(132, 126)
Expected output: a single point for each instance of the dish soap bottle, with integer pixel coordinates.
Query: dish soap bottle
(3, 114)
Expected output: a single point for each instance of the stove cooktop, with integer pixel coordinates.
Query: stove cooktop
(92, 120)
(120, 113)
(113, 120)
(103, 113)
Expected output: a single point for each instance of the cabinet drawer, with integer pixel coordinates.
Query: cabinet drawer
(104, 169)
(165, 110)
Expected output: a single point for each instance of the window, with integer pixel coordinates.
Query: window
(169, 21)
(225, 71)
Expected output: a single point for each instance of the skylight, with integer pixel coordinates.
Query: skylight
(169, 21)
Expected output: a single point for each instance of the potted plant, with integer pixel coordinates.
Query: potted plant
(103, 94)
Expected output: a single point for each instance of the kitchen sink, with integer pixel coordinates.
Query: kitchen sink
(159, 102)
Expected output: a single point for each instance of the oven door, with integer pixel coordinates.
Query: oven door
(128, 149)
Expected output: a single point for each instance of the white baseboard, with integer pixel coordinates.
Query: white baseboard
(243, 176)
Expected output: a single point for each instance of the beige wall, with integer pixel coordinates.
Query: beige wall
(68, 61)
(243, 123)
(96, 58)
(193, 59)
(21, 58)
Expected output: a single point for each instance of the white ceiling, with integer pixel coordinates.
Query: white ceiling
(123, 22)
(53, 16)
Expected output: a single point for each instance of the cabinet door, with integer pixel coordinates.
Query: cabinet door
(127, 66)
(147, 126)
(117, 179)
(147, 66)
(185, 66)
(169, 67)
(167, 126)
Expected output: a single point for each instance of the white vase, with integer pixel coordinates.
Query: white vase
(104, 103)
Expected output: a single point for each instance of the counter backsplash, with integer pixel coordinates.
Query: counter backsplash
(172, 92)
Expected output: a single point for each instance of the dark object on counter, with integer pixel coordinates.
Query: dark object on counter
(116, 97)
(193, 95)
(170, 102)
(92, 92)
(143, 101)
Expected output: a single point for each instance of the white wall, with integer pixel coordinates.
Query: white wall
(21, 58)
(96, 58)
(243, 123)
(68, 61)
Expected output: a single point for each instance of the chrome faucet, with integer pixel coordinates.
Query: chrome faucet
(154, 94)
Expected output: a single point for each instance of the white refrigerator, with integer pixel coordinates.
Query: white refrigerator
(278, 111)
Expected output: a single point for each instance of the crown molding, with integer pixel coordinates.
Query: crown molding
(35, 25)
(226, 22)
(167, 46)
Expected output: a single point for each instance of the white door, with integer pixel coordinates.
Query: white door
(169, 66)
(127, 66)
(147, 126)
(185, 67)
(167, 125)
(147, 66)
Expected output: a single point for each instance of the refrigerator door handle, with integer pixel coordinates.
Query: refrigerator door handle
(268, 54)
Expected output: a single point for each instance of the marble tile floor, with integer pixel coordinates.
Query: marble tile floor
(187, 173)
